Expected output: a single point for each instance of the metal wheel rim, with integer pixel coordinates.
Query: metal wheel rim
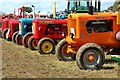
(89, 63)
(20, 39)
(64, 52)
(26, 40)
(47, 47)
(34, 44)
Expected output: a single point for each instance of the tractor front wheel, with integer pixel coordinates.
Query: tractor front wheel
(4, 33)
(14, 36)
(90, 56)
(18, 39)
(26, 38)
(32, 43)
(61, 51)
(46, 46)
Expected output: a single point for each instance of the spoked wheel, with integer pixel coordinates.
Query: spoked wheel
(61, 51)
(32, 44)
(90, 56)
(4, 33)
(14, 36)
(18, 39)
(26, 38)
(46, 46)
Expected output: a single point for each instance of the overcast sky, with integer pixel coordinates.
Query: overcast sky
(45, 5)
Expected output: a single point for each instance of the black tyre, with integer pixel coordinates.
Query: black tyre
(32, 44)
(7, 37)
(61, 51)
(90, 56)
(46, 46)
(14, 36)
(26, 38)
(18, 39)
(4, 33)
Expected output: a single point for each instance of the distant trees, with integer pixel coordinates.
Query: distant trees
(28, 9)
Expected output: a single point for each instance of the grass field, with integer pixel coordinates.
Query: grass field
(20, 62)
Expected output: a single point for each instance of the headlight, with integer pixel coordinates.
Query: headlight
(118, 36)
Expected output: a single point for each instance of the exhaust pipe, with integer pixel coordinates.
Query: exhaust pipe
(99, 5)
(95, 5)
(54, 12)
(33, 11)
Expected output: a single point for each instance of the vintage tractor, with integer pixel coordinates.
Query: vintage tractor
(6, 19)
(4, 27)
(90, 35)
(12, 30)
(25, 31)
(46, 33)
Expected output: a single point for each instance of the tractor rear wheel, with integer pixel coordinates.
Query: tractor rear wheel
(90, 56)
(46, 46)
(32, 43)
(61, 51)
(4, 33)
(26, 38)
(14, 36)
(18, 39)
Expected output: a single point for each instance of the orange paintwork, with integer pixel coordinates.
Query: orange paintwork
(78, 21)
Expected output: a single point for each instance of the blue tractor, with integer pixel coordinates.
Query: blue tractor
(25, 31)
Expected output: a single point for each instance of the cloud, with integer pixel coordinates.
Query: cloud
(46, 5)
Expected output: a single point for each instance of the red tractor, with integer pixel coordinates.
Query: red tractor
(12, 30)
(4, 27)
(6, 24)
(46, 32)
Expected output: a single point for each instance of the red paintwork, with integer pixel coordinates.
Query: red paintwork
(6, 21)
(5, 24)
(13, 24)
(42, 25)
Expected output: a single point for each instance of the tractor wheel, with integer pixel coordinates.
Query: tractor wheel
(8, 38)
(18, 39)
(26, 38)
(32, 43)
(61, 51)
(46, 46)
(14, 36)
(4, 33)
(90, 56)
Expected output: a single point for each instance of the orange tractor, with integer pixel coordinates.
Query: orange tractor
(90, 36)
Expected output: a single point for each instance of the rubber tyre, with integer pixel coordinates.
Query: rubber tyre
(8, 38)
(60, 51)
(41, 47)
(31, 43)
(14, 36)
(4, 33)
(85, 51)
(26, 38)
(18, 39)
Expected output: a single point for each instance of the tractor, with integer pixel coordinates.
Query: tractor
(91, 36)
(46, 33)
(4, 27)
(25, 31)
(12, 30)
(6, 24)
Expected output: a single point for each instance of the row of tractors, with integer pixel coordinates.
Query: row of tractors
(87, 35)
